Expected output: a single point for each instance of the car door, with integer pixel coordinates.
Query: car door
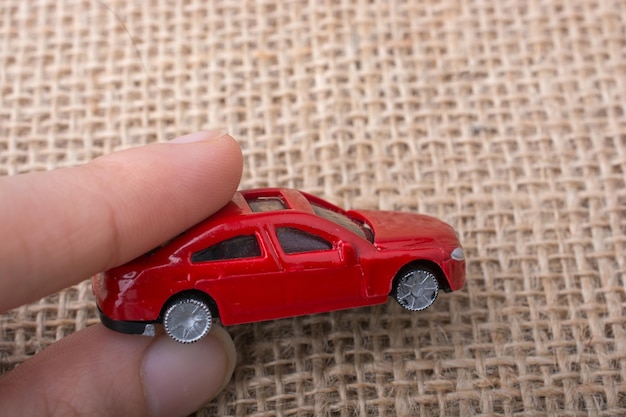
(234, 270)
(320, 272)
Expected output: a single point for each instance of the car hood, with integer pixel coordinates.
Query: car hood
(407, 229)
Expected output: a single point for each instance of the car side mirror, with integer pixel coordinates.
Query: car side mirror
(348, 254)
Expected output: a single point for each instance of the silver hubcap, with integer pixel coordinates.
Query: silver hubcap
(417, 290)
(187, 320)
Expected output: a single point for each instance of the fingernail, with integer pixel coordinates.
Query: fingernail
(200, 136)
(178, 379)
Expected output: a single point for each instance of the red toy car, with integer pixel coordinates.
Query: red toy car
(275, 253)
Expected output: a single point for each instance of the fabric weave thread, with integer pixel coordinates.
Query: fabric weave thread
(504, 118)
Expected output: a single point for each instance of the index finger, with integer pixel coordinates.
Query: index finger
(60, 227)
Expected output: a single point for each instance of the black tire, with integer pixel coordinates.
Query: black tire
(187, 319)
(416, 288)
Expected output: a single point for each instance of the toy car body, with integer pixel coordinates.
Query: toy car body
(275, 253)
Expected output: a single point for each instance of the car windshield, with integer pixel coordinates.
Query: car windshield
(344, 221)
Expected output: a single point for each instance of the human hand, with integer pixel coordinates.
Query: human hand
(62, 226)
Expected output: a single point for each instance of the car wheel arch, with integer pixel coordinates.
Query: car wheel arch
(421, 263)
(197, 294)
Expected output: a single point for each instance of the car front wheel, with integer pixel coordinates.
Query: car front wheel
(416, 288)
(187, 320)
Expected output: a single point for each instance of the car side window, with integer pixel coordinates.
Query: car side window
(294, 240)
(244, 246)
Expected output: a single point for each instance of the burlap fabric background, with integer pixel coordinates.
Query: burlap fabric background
(505, 118)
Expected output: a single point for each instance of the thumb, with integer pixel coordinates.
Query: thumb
(100, 372)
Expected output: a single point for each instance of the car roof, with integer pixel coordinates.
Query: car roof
(290, 199)
(238, 210)
(263, 201)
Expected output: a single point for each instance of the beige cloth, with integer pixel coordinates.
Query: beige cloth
(504, 118)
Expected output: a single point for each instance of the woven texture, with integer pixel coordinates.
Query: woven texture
(504, 118)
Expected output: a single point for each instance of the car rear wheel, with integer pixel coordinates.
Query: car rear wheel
(416, 288)
(187, 320)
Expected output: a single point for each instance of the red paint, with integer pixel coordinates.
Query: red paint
(354, 272)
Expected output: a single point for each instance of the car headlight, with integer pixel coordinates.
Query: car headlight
(457, 254)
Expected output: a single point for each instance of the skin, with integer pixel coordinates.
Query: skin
(62, 226)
